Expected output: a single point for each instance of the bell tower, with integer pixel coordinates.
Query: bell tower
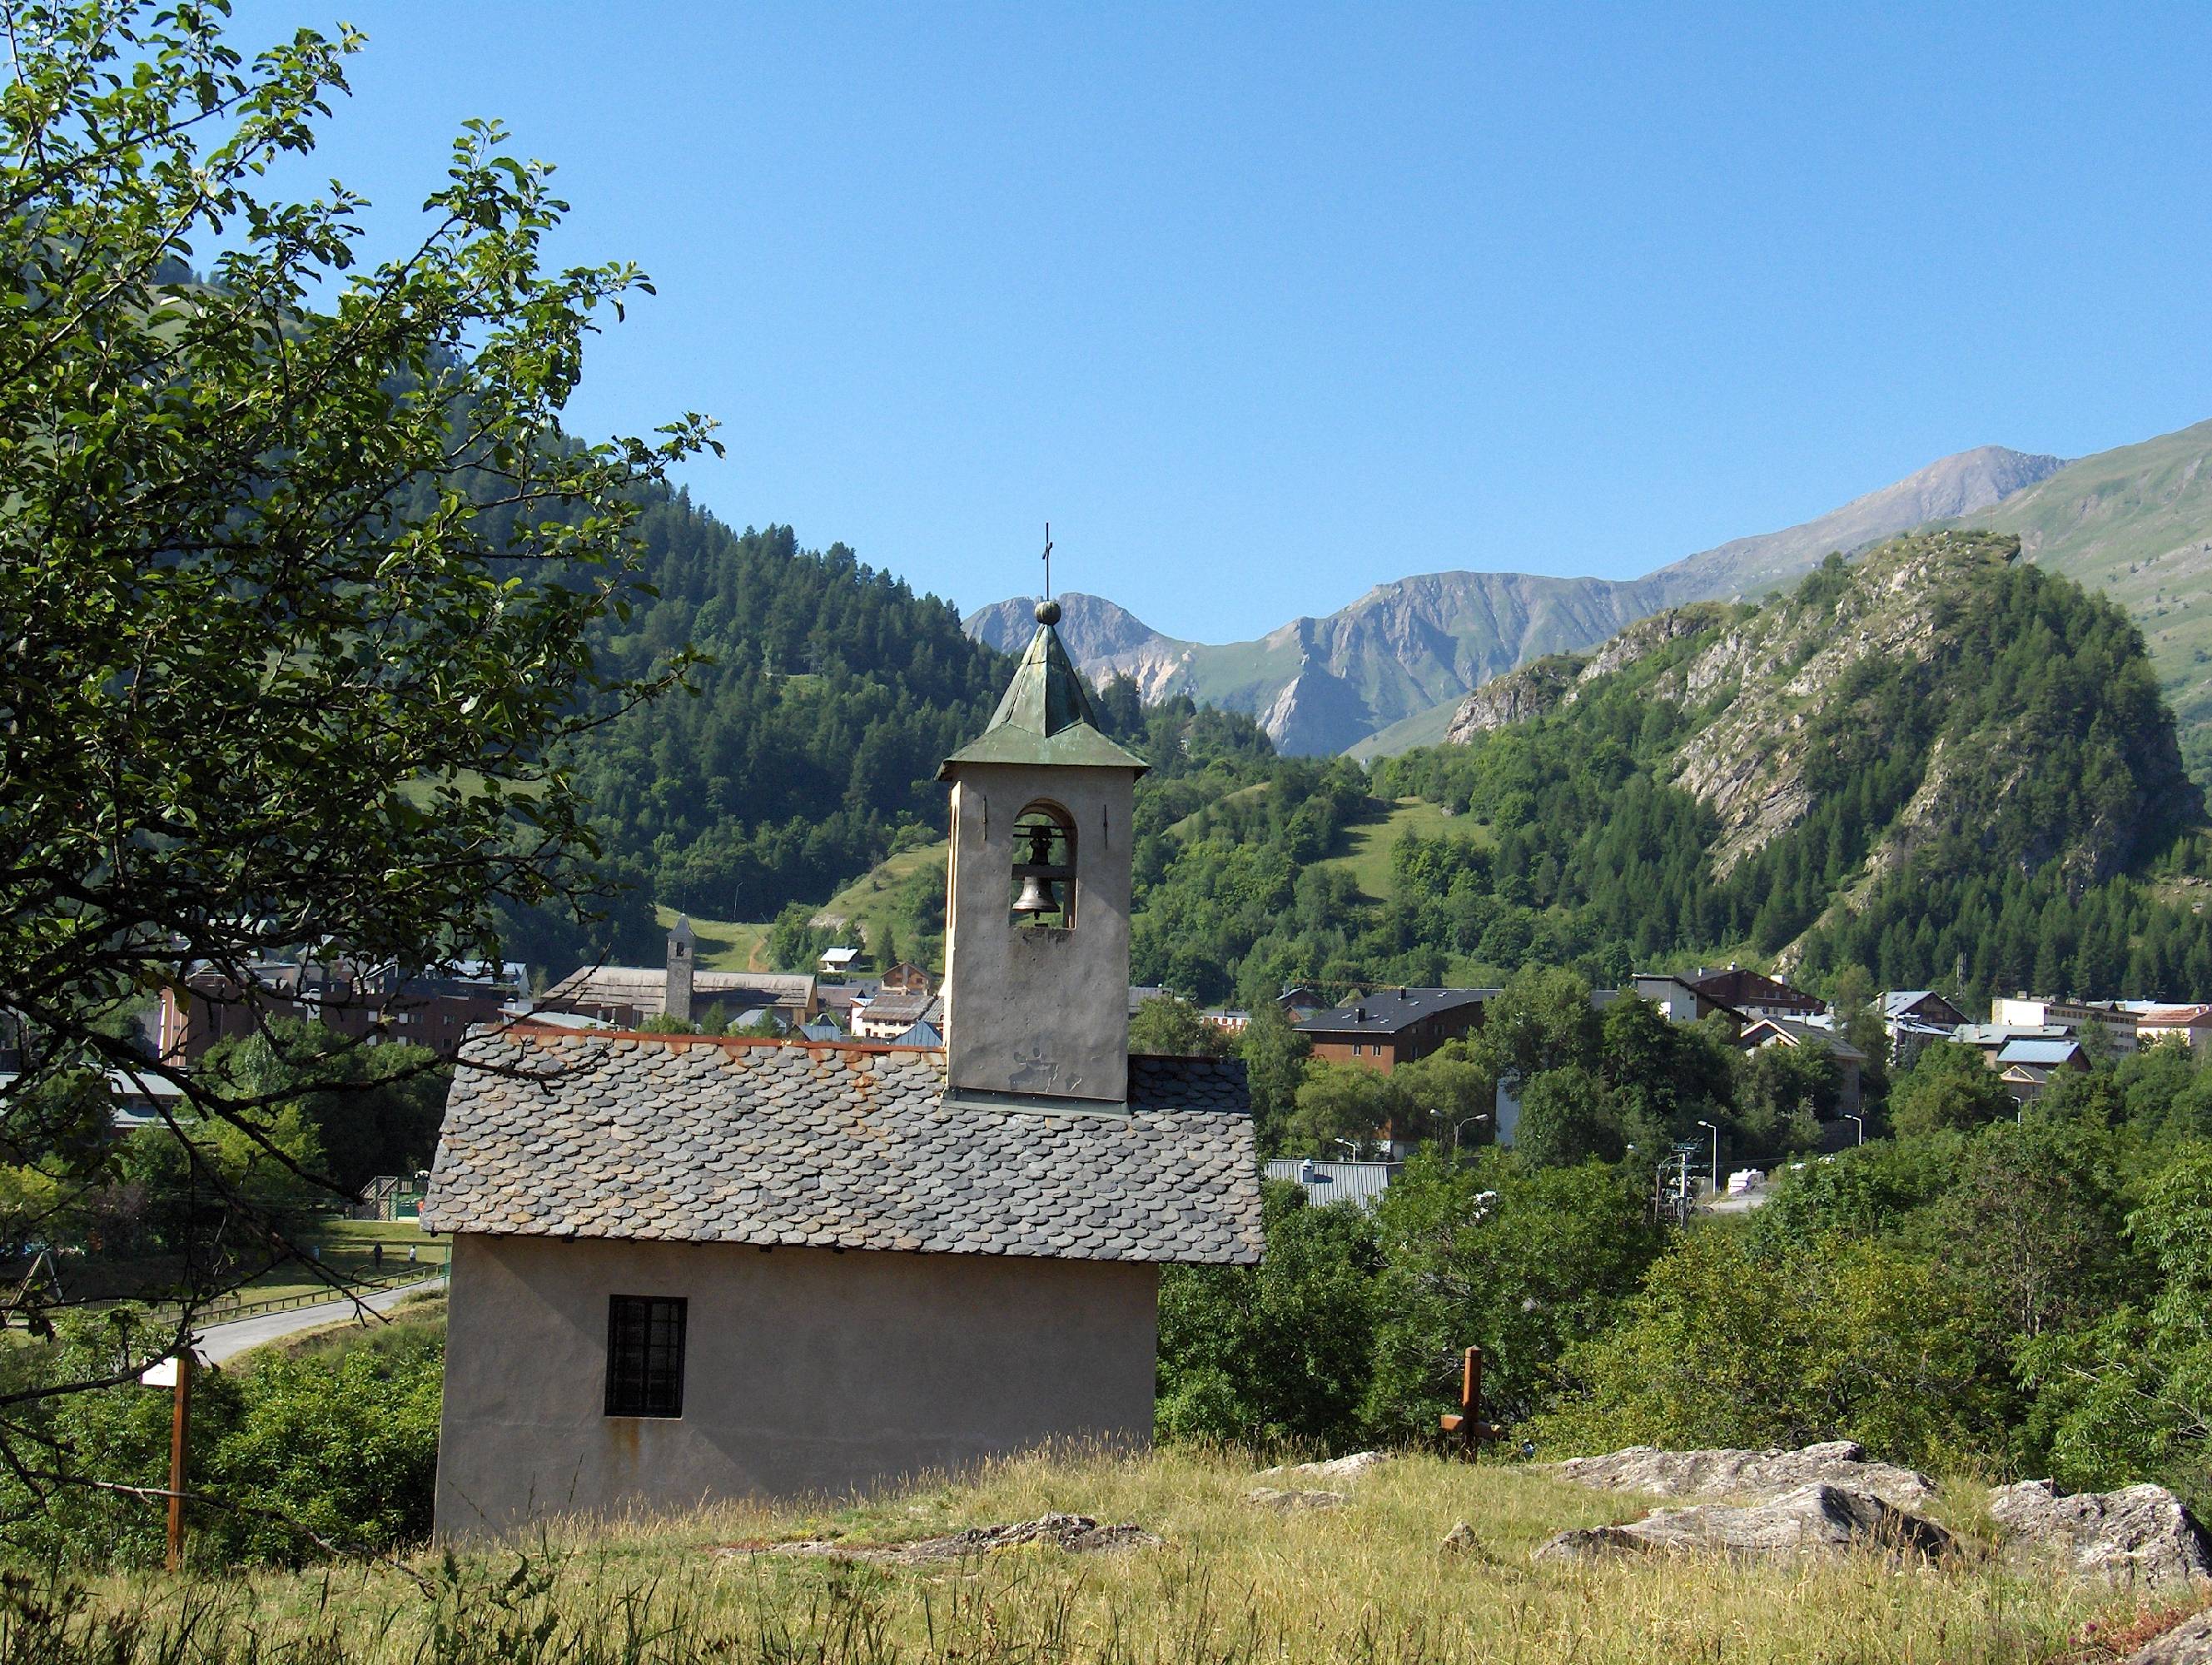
(683, 949)
(1036, 913)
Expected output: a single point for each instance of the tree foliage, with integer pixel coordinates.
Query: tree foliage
(300, 576)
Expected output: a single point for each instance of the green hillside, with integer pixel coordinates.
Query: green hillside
(807, 752)
(1942, 763)
(2136, 523)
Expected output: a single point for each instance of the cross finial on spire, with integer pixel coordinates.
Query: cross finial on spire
(1047, 610)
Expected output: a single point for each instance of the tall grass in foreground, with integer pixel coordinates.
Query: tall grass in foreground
(1232, 1584)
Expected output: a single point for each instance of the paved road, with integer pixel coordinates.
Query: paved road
(219, 1342)
(1742, 1203)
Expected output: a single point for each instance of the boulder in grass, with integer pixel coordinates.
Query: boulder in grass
(1076, 1534)
(1731, 1472)
(1813, 1520)
(1286, 1503)
(2140, 1535)
(1336, 1468)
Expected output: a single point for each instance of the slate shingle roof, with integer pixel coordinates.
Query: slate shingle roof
(697, 1140)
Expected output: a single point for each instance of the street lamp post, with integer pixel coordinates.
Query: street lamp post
(1702, 1122)
(1479, 1116)
(1860, 1122)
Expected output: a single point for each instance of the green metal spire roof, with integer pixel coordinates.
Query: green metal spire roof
(1045, 716)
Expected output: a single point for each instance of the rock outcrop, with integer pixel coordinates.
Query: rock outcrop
(1336, 1468)
(2140, 1535)
(1732, 1473)
(1532, 691)
(1076, 1534)
(1290, 1502)
(1771, 702)
(2189, 1642)
(1813, 1520)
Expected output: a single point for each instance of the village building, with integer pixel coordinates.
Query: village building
(2026, 1066)
(2114, 1017)
(836, 1001)
(838, 961)
(908, 978)
(1394, 1026)
(1680, 1000)
(1912, 1018)
(1753, 993)
(1990, 1039)
(368, 1004)
(2192, 1025)
(689, 1268)
(1851, 1062)
(625, 996)
(892, 1013)
(1326, 1181)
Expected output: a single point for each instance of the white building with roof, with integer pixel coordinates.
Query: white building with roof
(687, 1267)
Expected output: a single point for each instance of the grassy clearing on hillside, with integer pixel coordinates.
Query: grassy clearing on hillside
(1368, 846)
(725, 944)
(1188, 824)
(1230, 1584)
(868, 896)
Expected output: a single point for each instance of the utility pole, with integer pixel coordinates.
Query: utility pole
(180, 1428)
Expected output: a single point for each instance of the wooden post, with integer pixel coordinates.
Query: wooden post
(180, 1426)
(1466, 1424)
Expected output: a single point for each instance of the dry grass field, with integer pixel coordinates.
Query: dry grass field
(1229, 1583)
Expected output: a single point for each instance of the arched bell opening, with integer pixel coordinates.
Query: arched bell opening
(1042, 887)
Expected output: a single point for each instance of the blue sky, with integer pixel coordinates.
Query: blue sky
(1263, 306)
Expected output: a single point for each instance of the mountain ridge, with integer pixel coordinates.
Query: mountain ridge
(1405, 650)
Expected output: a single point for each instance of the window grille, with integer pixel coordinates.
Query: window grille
(645, 1355)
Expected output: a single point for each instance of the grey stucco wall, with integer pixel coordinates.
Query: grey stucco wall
(806, 1371)
(1030, 1011)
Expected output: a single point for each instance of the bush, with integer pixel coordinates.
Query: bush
(1279, 1352)
(1725, 1346)
(343, 1442)
(1521, 1261)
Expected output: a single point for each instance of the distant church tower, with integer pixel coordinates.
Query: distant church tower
(683, 947)
(1037, 917)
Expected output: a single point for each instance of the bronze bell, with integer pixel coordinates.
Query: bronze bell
(1038, 896)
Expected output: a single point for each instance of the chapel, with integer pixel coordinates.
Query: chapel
(690, 1268)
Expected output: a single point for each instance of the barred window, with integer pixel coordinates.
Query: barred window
(645, 1355)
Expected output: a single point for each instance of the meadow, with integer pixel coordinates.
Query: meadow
(1229, 1583)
